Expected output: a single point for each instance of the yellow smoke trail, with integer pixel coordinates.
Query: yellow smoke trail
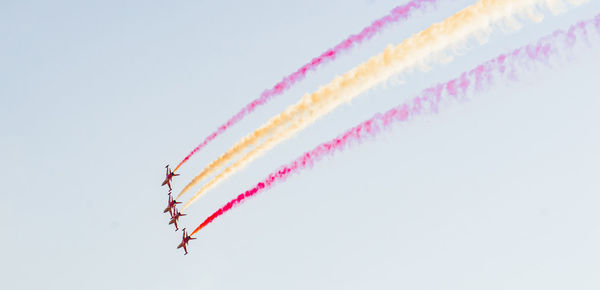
(473, 21)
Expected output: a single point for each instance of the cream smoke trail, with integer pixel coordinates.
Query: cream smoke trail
(415, 51)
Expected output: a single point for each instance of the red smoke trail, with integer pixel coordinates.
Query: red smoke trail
(429, 101)
(395, 15)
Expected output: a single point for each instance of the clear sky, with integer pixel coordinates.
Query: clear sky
(500, 192)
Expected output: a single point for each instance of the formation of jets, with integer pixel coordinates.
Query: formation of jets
(173, 212)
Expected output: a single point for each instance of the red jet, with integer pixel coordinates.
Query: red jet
(170, 175)
(171, 208)
(175, 218)
(184, 241)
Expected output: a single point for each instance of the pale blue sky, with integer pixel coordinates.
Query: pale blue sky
(97, 96)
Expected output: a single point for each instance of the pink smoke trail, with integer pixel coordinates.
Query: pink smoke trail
(399, 13)
(428, 101)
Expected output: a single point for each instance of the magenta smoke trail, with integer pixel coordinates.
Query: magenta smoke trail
(399, 13)
(428, 101)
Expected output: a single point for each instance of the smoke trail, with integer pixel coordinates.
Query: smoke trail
(475, 20)
(395, 15)
(429, 101)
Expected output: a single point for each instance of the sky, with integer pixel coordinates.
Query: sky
(498, 192)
